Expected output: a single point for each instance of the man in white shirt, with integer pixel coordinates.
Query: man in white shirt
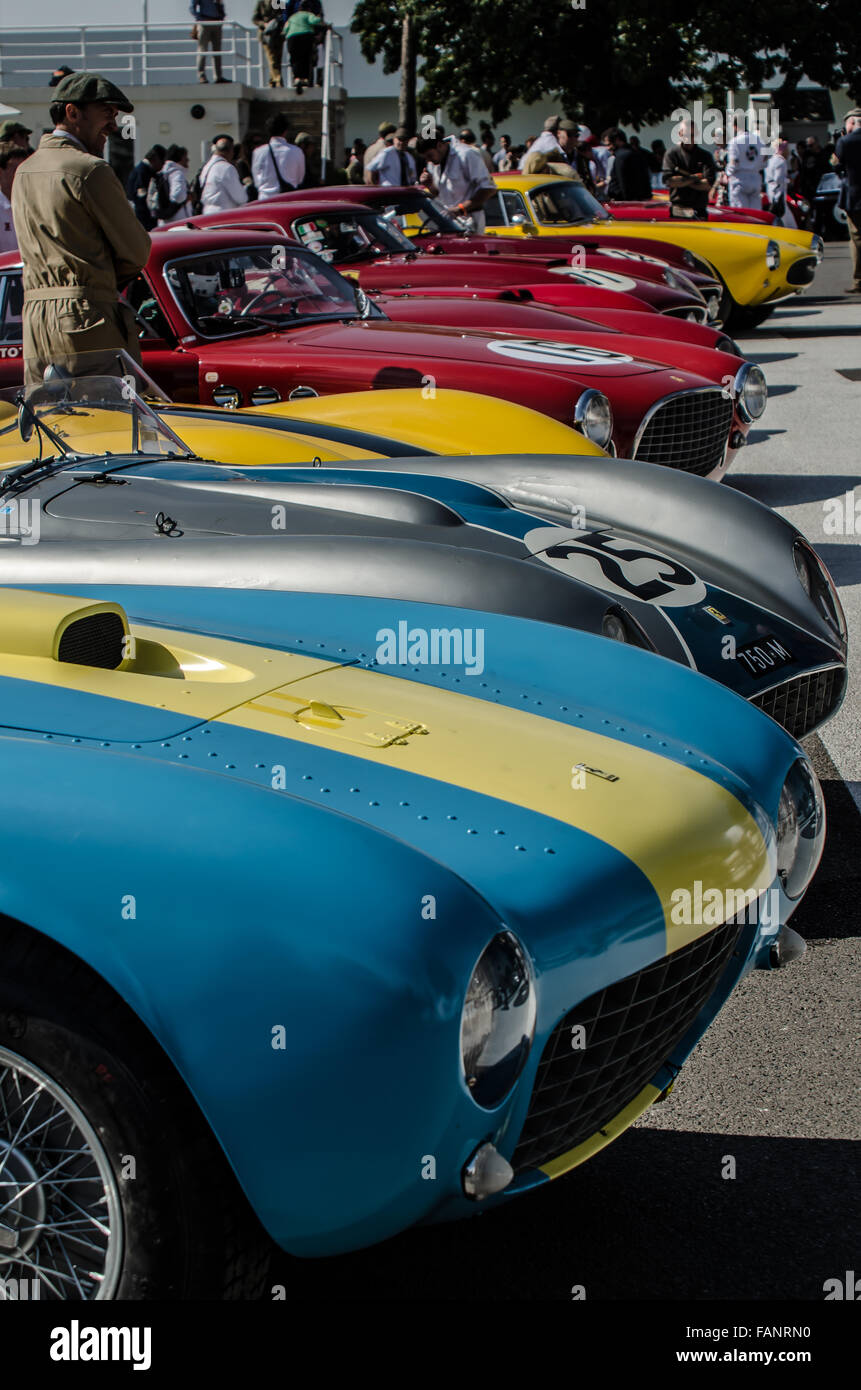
(278, 166)
(11, 157)
(744, 165)
(220, 185)
(462, 182)
(394, 166)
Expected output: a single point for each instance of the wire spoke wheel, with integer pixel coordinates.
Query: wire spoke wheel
(61, 1227)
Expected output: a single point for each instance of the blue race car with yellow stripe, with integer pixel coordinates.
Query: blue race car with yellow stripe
(324, 916)
(616, 546)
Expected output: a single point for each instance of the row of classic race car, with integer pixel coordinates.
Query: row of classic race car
(406, 825)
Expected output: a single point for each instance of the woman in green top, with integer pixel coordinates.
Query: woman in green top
(302, 29)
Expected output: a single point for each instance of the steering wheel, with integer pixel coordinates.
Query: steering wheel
(261, 294)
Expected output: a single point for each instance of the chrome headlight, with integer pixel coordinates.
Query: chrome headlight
(713, 307)
(751, 391)
(620, 626)
(800, 828)
(593, 416)
(689, 259)
(498, 1021)
(819, 587)
(818, 246)
(772, 255)
(672, 280)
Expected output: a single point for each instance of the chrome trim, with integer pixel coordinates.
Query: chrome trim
(738, 386)
(584, 400)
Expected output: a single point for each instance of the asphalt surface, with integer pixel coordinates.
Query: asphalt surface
(774, 1083)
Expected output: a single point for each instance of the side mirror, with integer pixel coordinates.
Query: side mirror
(26, 422)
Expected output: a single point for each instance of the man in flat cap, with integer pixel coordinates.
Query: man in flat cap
(79, 238)
(16, 133)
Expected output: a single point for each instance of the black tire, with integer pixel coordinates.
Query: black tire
(187, 1231)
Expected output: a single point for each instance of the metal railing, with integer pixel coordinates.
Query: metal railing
(145, 55)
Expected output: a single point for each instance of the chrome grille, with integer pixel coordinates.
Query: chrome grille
(802, 702)
(688, 431)
(631, 1027)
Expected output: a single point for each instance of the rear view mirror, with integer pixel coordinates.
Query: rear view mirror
(26, 422)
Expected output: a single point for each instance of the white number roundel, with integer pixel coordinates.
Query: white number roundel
(630, 255)
(622, 567)
(557, 354)
(598, 279)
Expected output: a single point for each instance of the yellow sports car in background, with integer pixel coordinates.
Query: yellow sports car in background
(349, 425)
(757, 267)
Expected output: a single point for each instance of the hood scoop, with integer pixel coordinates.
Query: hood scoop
(50, 626)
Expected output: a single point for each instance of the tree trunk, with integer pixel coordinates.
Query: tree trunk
(407, 102)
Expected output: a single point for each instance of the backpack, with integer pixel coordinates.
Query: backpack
(157, 197)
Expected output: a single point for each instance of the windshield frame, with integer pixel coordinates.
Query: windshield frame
(294, 249)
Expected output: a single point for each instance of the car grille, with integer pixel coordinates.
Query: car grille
(631, 1027)
(802, 702)
(97, 640)
(802, 272)
(688, 431)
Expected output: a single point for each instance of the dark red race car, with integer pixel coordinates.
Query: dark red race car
(360, 238)
(430, 228)
(235, 317)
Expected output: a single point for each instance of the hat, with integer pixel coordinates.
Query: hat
(10, 128)
(552, 123)
(81, 87)
(856, 111)
(571, 126)
(386, 128)
(584, 132)
(303, 138)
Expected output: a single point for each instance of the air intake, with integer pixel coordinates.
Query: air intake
(97, 640)
(62, 627)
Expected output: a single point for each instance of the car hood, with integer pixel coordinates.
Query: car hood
(379, 337)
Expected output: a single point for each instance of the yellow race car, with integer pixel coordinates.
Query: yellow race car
(350, 425)
(757, 267)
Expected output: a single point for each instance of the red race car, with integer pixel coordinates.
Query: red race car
(429, 227)
(235, 317)
(363, 241)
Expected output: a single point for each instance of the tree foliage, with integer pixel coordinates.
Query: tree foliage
(633, 61)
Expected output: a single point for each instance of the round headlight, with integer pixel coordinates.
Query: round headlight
(818, 246)
(689, 259)
(498, 1021)
(713, 307)
(672, 280)
(800, 828)
(727, 344)
(614, 628)
(593, 416)
(802, 569)
(751, 391)
(819, 587)
(772, 255)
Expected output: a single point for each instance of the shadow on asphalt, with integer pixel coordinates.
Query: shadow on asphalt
(769, 356)
(831, 909)
(650, 1217)
(843, 562)
(781, 391)
(791, 489)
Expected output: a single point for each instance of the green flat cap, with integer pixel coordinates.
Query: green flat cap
(570, 126)
(10, 128)
(386, 128)
(81, 87)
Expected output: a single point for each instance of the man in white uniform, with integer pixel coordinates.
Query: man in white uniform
(460, 179)
(744, 165)
(220, 185)
(278, 166)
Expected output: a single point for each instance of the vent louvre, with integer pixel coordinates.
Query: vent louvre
(95, 640)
